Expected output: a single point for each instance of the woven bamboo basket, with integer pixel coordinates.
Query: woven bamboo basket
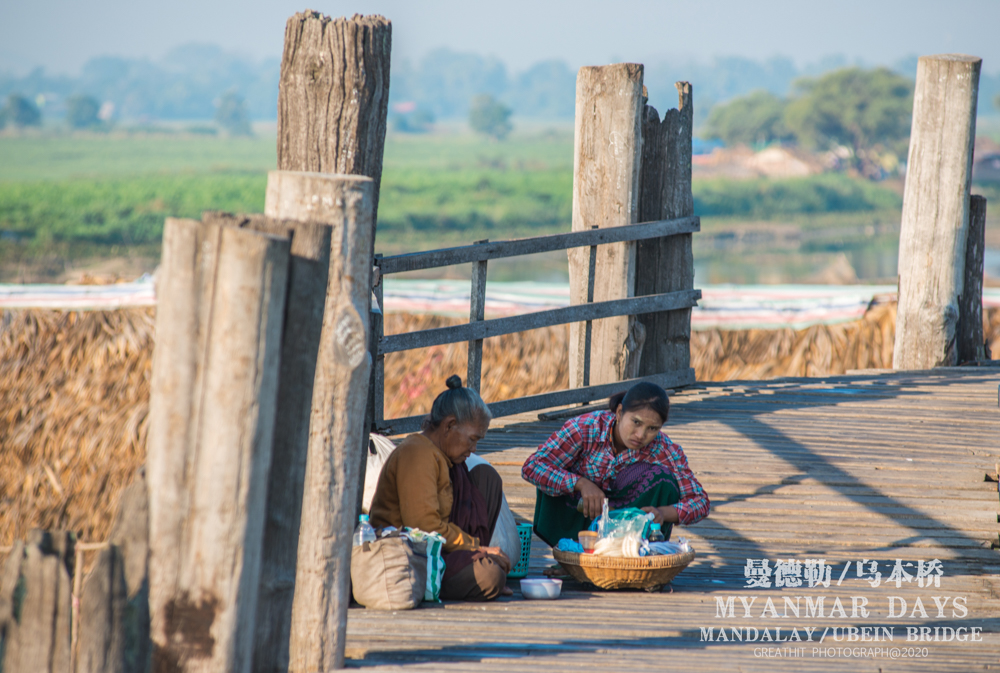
(648, 572)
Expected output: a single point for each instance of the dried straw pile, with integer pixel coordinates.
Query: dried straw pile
(513, 365)
(75, 393)
(729, 355)
(73, 424)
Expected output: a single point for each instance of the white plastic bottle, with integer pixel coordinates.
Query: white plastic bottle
(364, 532)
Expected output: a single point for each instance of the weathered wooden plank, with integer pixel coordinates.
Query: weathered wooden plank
(416, 261)
(101, 643)
(338, 436)
(36, 604)
(935, 221)
(606, 168)
(484, 329)
(666, 264)
(214, 390)
(971, 342)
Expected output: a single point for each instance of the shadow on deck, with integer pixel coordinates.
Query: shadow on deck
(873, 466)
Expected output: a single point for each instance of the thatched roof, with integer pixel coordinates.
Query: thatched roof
(75, 392)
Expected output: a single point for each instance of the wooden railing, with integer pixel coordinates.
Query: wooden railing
(478, 328)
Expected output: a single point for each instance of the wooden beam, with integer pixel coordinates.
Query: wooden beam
(484, 329)
(431, 259)
(333, 96)
(935, 220)
(219, 319)
(337, 432)
(666, 264)
(971, 341)
(606, 166)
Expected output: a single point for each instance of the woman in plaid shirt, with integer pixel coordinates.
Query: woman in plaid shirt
(619, 454)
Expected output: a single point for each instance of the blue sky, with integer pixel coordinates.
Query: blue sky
(62, 34)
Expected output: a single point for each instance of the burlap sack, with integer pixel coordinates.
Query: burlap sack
(388, 575)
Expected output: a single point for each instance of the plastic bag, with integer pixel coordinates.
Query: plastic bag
(618, 523)
(665, 548)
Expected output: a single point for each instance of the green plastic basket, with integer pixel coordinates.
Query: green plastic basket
(521, 568)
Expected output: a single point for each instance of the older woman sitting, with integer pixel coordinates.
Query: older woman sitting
(619, 454)
(425, 484)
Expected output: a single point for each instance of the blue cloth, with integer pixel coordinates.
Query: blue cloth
(566, 544)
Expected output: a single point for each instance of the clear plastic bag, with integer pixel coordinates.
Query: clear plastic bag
(619, 523)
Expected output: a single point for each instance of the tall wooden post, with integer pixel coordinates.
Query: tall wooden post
(304, 306)
(971, 341)
(606, 166)
(219, 319)
(333, 102)
(333, 96)
(336, 426)
(666, 264)
(935, 219)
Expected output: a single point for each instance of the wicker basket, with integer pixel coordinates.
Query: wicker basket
(608, 572)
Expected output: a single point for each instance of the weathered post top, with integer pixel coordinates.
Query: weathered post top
(333, 95)
(935, 217)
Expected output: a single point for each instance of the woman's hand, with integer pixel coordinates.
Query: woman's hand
(666, 514)
(591, 496)
(498, 557)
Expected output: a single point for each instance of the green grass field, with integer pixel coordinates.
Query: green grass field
(81, 198)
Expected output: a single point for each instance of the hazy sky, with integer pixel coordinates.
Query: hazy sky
(62, 34)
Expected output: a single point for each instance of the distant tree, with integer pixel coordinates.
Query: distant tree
(490, 117)
(231, 115)
(755, 119)
(82, 111)
(996, 101)
(21, 112)
(866, 110)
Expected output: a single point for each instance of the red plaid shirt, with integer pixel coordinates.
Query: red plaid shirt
(585, 447)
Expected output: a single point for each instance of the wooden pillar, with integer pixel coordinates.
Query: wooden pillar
(307, 281)
(113, 620)
(333, 101)
(666, 264)
(101, 644)
(333, 96)
(336, 428)
(606, 165)
(971, 341)
(36, 603)
(477, 311)
(935, 221)
(220, 311)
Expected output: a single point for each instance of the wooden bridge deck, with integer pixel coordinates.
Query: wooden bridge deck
(870, 466)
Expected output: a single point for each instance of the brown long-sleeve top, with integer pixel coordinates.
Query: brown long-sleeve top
(414, 489)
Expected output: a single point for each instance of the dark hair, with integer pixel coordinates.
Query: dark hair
(643, 395)
(463, 403)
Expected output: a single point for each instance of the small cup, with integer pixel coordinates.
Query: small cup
(588, 540)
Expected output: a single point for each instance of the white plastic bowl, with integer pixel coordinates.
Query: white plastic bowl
(541, 588)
